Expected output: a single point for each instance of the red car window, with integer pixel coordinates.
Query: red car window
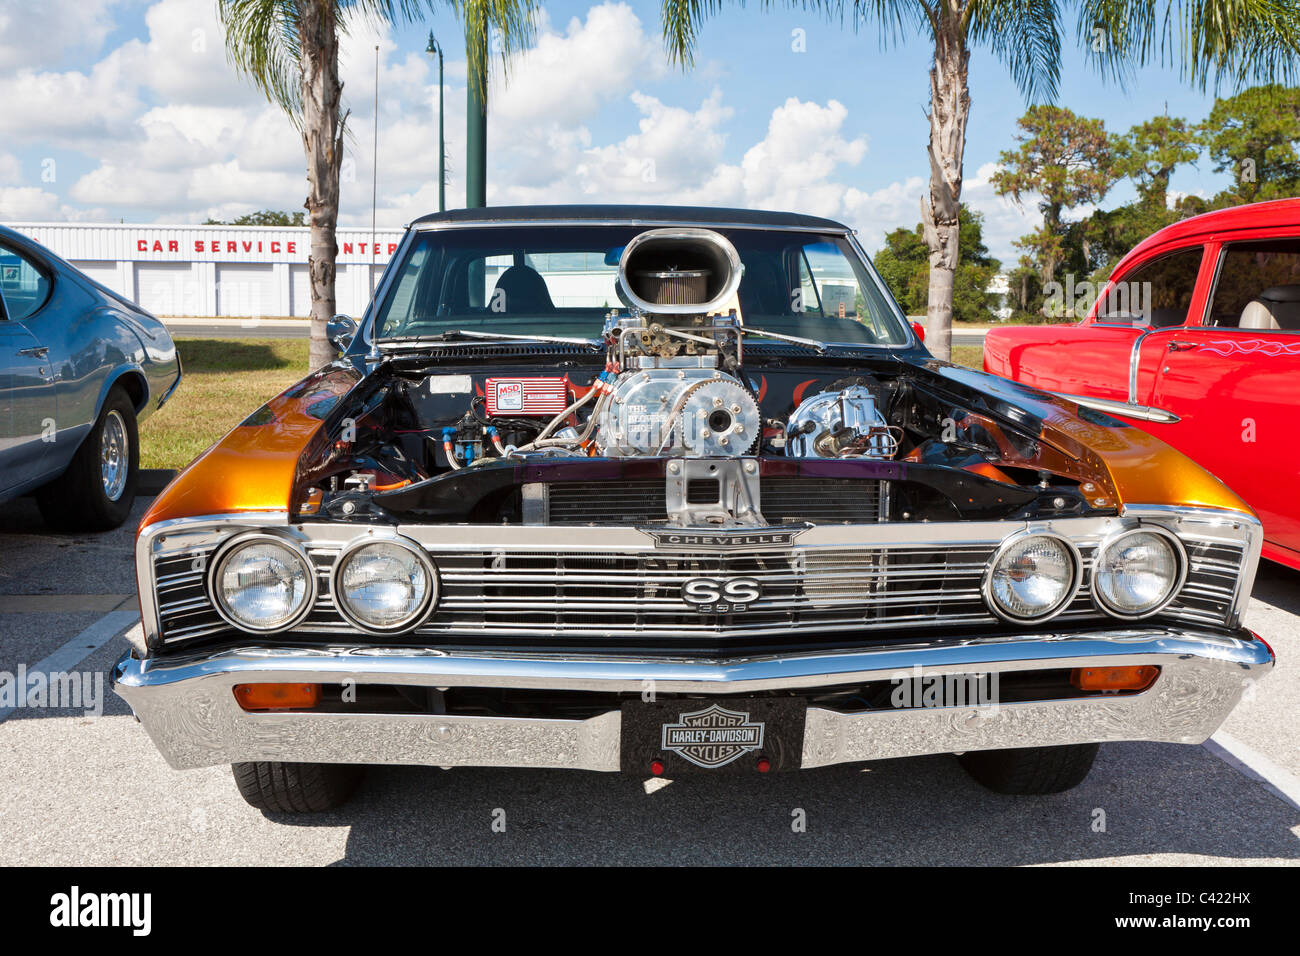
(1157, 293)
(1258, 286)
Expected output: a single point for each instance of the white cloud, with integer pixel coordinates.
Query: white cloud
(566, 77)
(1004, 221)
(171, 130)
(71, 109)
(31, 203)
(11, 170)
(184, 57)
(35, 34)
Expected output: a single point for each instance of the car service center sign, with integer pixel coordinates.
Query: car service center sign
(217, 244)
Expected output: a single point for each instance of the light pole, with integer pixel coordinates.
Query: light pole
(476, 22)
(435, 49)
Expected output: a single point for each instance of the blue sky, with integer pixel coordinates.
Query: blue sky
(126, 109)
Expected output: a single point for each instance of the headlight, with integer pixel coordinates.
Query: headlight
(262, 583)
(1032, 577)
(1137, 573)
(384, 586)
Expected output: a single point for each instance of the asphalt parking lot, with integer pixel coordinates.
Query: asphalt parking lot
(92, 790)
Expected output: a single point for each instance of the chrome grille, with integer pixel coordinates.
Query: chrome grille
(595, 598)
(184, 607)
(579, 595)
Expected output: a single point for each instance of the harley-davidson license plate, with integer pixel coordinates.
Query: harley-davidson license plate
(722, 735)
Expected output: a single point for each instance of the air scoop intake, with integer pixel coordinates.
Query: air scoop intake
(679, 271)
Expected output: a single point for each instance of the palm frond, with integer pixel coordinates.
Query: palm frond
(1026, 36)
(262, 42)
(682, 21)
(1240, 41)
(896, 19)
(1210, 41)
(513, 21)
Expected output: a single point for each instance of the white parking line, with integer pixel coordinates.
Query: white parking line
(78, 649)
(1254, 765)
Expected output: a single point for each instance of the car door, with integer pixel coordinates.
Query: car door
(1234, 382)
(29, 413)
(1093, 359)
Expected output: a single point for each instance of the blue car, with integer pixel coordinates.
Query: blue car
(80, 368)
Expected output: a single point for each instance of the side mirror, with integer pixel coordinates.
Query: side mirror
(340, 331)
(919, 329)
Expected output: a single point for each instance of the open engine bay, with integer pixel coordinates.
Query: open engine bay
(681, 414)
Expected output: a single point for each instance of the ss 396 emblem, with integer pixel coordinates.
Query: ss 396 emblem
(721, 595)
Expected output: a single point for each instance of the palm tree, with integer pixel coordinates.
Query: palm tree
(290, 50)
(1238, 40)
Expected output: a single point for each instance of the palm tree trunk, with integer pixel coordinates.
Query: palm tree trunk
(949, 110)
(322, 141)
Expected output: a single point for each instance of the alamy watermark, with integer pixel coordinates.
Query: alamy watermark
(57, 690)
(76, 908)
(1131, 300)
(917, 689)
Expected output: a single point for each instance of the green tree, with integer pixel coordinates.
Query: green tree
(1212, 39)
(1026, 291)
(1149, 153)
(290, 51)
(1254, 136)
(904, 264)
(263, 217)
(1064, 160)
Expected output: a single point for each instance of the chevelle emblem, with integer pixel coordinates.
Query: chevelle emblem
(712, 737)
(722, 540)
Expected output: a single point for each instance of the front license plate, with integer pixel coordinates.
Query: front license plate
(723, 734)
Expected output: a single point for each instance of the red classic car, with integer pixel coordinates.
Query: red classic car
(1195, 338)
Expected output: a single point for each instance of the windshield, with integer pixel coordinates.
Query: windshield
(562, 280)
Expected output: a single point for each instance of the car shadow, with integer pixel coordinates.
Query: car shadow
(201, 355)
(1140, 799)
(1278, 585)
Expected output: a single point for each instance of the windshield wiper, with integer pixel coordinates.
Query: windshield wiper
(453, 335)
(821, 347)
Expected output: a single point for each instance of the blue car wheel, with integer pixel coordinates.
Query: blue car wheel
(97, 491)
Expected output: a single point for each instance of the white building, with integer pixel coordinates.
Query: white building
(216, 270)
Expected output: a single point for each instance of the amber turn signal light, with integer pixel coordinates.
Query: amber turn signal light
(1138, 677)
(277, 696)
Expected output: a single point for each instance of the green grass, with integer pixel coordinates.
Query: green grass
(972, 356)
(226, 380)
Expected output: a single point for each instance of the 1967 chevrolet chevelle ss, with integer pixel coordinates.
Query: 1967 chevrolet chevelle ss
(669, 490)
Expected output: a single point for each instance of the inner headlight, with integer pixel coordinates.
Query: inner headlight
(1137, 573)
(1032, 577)
(384, 585)
(263, 584)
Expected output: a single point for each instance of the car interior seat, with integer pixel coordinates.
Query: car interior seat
(524, 290)
(1276, 308)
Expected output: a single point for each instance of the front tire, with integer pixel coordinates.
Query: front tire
(97, 490)
(278, 787)
(1031, 770)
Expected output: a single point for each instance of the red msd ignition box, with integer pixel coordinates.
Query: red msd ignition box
(548, 396)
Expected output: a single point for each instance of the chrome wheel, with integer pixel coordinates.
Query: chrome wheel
(114, 455)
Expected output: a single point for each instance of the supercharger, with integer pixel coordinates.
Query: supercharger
(673, 349)
(695, 412)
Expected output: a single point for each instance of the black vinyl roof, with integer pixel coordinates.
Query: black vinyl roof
(712, 215)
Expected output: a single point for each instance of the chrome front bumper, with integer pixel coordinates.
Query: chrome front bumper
(188, 707)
